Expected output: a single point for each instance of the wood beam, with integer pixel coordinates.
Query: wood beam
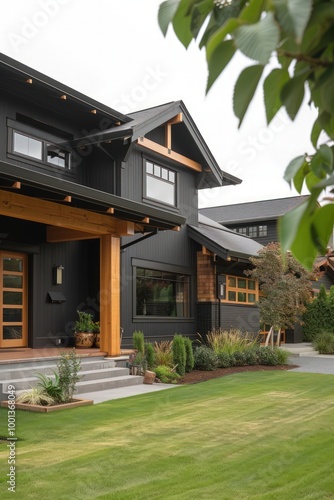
(125, 228)
(154, 146)
(54, 214)
(56, 234)
(177, 119)
(110, 310)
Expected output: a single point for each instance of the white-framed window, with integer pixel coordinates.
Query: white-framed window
(263, 231)
(160, 183)
(252, 231)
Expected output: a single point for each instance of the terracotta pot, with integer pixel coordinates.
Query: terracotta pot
(84, 340)
(97, 340)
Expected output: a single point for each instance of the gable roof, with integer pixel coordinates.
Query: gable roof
(223, 241)
(146, 120)
(253, 211)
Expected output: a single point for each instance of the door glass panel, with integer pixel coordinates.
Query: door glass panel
(12, 298)
(15, 265)
(12, 332)
(241, 283)
(12, 315)
(12, 281)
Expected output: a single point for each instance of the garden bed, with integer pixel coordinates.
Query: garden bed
(48, 409)
(201, 375)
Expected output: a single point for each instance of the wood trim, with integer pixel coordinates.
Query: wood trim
(56, 234)
(50, 213)
(110, 295)
(172, 155)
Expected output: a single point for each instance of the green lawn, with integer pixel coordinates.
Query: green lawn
(262, 435)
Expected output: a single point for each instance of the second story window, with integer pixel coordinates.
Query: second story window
(160, 184)
(42, 149)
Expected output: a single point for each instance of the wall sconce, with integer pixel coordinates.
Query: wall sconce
(58, 275)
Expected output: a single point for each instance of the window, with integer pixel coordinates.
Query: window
(252, 233)
(242, 230)
(241, 290)
(26, 144)
(160, 183)
(263, 231)
(161, 293)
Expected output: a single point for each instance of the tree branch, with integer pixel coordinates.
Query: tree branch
(302, 57)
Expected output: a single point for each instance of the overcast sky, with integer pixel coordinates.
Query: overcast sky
(114, 52)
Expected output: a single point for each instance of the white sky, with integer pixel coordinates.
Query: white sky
(114, 52)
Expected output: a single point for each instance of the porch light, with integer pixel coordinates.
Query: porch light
(58, 275)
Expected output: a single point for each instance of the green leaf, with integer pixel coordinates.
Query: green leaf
(311, 180)
(244, 90)
(166, 13)
(322, 226)
(219, 60)
(326, 155)
(293, 168)
(327, 86)
(182, 23)
(272, 87)
(315, 132)
(219, 36)
(251, 13)
(329, 181)
(288, 225)
(259, 40)
(293, 16)
(200, 12)
(292, 95)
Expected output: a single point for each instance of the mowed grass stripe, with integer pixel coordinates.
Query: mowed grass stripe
(250, 435)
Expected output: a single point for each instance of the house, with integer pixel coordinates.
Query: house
(99, 212)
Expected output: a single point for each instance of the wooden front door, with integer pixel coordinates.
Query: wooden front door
(13, 300)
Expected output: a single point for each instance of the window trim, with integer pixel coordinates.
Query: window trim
(168, 268)
(45, 138)
(161, 165)
(237, 290)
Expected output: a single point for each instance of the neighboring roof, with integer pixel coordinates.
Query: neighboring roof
(253, 211)
(222, 241)
(149, 119)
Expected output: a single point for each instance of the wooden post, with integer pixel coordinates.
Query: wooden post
(110, 294)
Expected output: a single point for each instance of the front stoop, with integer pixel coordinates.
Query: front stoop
(98, 374)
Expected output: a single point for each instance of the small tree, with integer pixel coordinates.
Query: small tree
(189, 355)
(68, 367)
(319, 315)
(179, 354)
(285, 285)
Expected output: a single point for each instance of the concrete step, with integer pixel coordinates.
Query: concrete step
(97, 374)
(299, 350)
(108, 383)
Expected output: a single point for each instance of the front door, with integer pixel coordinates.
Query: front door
(13, 300)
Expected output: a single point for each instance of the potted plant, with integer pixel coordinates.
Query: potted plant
(84, 334)
(97, 334)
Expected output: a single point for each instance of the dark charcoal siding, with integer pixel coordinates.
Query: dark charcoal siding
(166, 248)
(132, 183)
(214, 315)
(264, 240)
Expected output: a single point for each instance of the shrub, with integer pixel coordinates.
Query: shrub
(251, 357)
(189, 354)
(68, 367)
(267, 356)
(35, 396)
(138, 341)
(163, 354)
(179, 354)
(239, 358)
(166, 375)
(324, 342)
(225, 360)
(318, 315)
(230, 341)
(149, 355)
(282, 357)
(51, 386)
(205, 358)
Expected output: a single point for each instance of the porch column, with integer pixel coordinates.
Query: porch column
(110, 294)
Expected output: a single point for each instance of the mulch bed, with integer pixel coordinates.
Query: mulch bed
(201, 376)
